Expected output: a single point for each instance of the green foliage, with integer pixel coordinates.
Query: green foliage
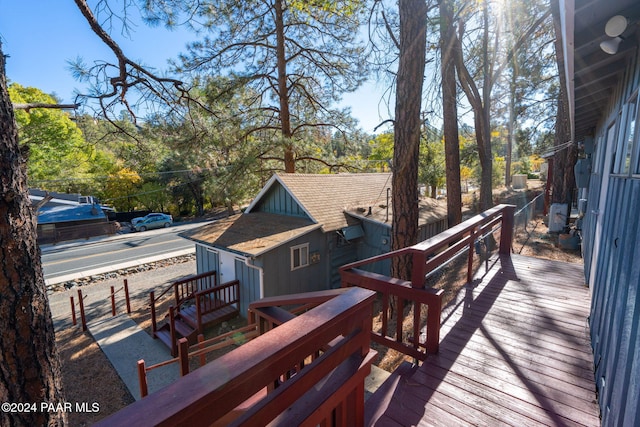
(381, 151)
(55, 143)
(432, 166)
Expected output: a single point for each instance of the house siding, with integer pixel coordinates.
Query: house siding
(279, 279)
(279, 201)
(341, 252)
(207, 259)
(611, 264)
(249, 279)
(376, 241)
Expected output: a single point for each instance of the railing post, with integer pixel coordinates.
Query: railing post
(434, 312)
(472, 241)
(113, 301)
(183, 355)
(82, 316)
(73, 312)
(142, 378)
(199, 312)
(172, 330)
(126, 296)
(418, 271)
(153, 313)
(506, 232)
(203, 356)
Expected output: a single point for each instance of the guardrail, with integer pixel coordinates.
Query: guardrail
(427, 256)
(237, 386)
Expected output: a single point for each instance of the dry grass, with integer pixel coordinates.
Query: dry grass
(88, 376)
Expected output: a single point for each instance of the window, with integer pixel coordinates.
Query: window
(299, 256)
(622, 163)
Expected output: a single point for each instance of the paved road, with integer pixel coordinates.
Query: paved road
(69, 261)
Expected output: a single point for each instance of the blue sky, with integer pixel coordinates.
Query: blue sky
(42, 36)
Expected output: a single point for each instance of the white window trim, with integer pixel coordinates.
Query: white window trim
(300, 249)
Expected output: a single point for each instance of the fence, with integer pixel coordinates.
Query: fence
(112, 297)
(523, 222)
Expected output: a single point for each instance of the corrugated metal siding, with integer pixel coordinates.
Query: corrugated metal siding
(279, 201)
(429, 230)
(615, 311)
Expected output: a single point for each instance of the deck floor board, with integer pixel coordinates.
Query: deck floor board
(514, 350)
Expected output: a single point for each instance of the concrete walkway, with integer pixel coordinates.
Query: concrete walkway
(124, 343)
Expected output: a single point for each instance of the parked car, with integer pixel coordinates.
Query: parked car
(151, 221)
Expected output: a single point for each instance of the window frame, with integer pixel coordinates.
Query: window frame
(302, 252)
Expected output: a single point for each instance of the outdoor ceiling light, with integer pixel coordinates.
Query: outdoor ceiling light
(611, 46)
(616, 26)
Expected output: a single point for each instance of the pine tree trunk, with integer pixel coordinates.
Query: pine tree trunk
(450, 114)
(413, 21)
(29, 365)
(283, 90)
(564, 160)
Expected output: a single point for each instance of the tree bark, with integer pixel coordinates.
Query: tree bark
(283, 90)
(29, 365)
(450, 114)
(413, 21)
(563, 183)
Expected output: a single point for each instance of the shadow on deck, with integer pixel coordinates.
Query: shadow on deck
(514, 350)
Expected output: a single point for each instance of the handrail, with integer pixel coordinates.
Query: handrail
(215, 298)
(212, 392)
(427, 256)
(257, 309)
(179, 297)
(202, 348)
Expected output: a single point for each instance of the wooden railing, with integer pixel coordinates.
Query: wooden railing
(182, 290)
(199, 350)
(235, 388)
(216, 298)
(426, 257)
(186, 289)
(268, 313)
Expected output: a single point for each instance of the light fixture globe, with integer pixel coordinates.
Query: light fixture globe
(611, 46)
(615, 26)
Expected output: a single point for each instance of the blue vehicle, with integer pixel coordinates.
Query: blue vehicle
(151, 221)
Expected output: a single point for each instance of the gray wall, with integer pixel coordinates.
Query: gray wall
(614, 269)
(278, 277)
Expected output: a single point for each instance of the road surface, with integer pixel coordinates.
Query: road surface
(69, 261)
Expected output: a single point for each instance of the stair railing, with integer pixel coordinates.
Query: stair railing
(183, 290)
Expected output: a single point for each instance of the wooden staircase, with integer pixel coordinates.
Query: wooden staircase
(198, 302)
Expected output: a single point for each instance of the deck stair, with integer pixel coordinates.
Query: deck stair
(199, 301)
(376, 405)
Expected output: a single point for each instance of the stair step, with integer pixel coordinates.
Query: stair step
(164, 335)
(377, 403)
(183, 329)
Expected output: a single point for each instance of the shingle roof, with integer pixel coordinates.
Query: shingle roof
(251, 234)
(327, 197)
(430, 211)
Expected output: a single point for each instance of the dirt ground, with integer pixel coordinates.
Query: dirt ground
(89, 377)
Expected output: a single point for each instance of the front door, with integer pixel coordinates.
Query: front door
(226, 265)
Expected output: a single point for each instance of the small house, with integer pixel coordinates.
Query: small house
(299, 229)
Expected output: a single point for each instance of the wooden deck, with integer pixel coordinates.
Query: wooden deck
(514, 350)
